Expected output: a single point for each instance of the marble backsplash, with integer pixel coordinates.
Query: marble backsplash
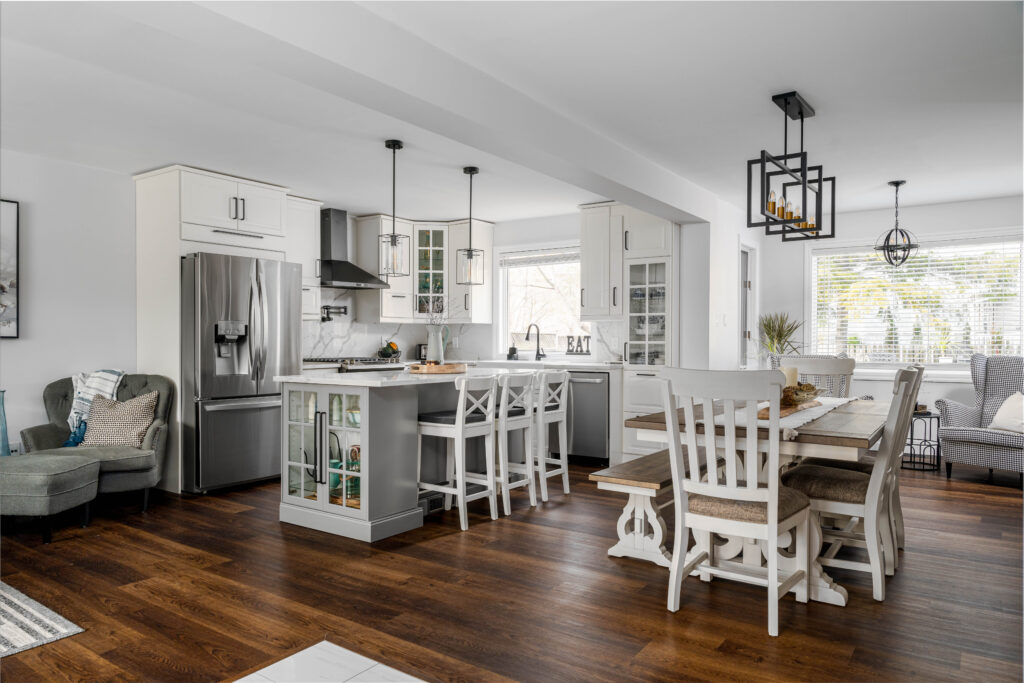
(345, 337)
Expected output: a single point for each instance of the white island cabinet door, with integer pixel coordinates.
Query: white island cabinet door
(261, 209)
(345, 453)
(209, 200)
(301, 448)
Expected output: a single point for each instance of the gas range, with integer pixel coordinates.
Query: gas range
(356, 364)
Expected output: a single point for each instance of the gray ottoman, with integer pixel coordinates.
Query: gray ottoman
(44, 485)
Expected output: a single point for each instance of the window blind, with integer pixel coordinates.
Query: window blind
(945, 303)
(539, 258)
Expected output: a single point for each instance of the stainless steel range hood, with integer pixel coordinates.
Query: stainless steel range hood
(335, 268)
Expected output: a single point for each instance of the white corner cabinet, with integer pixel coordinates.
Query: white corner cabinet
(181, 210)
(431, 281)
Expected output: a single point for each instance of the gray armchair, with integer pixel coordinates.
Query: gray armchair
(963, 430)
(121, 468)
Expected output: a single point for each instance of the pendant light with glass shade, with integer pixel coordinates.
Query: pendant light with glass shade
(395, 252)
(469, 262)
(897, 245)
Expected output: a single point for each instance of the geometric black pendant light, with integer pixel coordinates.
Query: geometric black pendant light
(469, 263)
(395, 250)
(897, 245)
(785, 195)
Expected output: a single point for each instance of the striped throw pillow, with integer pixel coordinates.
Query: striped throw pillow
(116, 423)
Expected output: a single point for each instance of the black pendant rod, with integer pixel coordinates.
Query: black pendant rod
(470, 171)
(785, 130)
(394, 146)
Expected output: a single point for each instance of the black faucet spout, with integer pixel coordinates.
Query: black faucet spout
(540, 352)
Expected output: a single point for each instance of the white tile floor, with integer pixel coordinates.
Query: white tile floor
(327, 662)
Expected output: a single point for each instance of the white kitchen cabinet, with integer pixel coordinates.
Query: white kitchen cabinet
(641, 395)
(310, 302)
(430, 269)
(394, 304)
(224, 203)
(470, 303)
(302, 218)
(648, 307)
(595, 268)
(644, 235)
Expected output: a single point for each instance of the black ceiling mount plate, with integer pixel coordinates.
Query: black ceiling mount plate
(393, 144)
(470, 170)
(897, 183)
(793, 105)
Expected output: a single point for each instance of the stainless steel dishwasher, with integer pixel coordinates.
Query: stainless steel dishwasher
(588, 415)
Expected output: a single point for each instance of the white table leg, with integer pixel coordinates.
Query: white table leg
(639, 516)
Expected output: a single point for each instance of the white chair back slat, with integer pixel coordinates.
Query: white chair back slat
(834, 373)
(476, 395)
(516, 392)
(893, 437)
(553, 391)
(703, 387)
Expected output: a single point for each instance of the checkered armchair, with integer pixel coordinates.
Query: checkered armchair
(963, 430)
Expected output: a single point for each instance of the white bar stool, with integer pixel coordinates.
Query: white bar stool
(552, 397)
(515, 411)
(473, 416)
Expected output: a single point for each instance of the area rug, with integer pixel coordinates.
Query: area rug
(25, 624)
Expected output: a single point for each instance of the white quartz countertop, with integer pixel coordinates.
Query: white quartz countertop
(381, 378)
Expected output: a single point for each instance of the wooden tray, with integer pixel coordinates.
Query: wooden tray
(786, 412)
(437, 369)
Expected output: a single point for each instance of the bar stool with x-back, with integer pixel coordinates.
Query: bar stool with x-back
(515, 412)
(472, 417)
(552, 397)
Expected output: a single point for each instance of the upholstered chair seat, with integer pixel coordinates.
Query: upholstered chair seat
(829, 483)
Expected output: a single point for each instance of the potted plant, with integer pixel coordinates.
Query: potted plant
(777, 331)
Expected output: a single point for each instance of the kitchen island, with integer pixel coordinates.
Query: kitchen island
(349, 449)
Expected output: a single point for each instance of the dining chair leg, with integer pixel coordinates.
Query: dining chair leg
(888, 533)
(542, 458)
(503, 473)
(803, 558)
(531, 485)
(897, 515)
(773, 587)
(873, 541)
(492, 498)
(460, 482)
(675, 573)
(563, 452)
(449, 470)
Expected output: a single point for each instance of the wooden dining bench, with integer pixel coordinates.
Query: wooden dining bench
(641, 527)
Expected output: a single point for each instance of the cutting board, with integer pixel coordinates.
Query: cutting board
(437, 368)
(786, 412)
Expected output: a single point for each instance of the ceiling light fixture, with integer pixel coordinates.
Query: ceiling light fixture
(897, 245)
(790, 197)
(469, 262)
(395, 254)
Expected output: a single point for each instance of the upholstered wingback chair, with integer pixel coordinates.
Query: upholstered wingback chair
(121, 468)
(963, 430)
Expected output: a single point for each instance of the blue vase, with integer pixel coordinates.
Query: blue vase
(5, 446)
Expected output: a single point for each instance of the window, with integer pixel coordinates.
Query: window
(945, 303)
(542, 287)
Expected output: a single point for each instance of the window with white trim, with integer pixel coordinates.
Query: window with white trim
(541, 287)
(949, 300)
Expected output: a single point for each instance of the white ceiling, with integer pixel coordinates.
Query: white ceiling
(926, 91)
(930, 92)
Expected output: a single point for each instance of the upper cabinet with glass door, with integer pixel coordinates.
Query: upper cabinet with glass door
(431, 272)
(647, 323)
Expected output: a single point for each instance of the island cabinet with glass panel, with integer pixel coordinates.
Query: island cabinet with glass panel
(349, 464)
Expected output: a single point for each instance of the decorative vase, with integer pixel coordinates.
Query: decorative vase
(437, 339)
(5, 446)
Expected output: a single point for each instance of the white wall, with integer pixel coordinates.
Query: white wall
(784, 277)
(77, 274)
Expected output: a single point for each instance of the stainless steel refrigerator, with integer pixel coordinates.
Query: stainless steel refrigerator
(240, 326)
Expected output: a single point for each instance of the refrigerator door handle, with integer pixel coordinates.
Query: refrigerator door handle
(251, 336)
(265, 324)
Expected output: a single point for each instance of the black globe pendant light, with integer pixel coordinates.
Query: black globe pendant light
(469, 262)
(897, 245)
(395, 254)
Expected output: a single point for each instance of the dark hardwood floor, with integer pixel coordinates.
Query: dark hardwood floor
(211, 588)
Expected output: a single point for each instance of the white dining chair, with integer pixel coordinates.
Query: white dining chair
(472, 417)
(835, 375)
(844, 492)
(736, 497)
(515, 412)
(552, 409)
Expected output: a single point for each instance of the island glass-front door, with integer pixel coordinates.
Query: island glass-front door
(299, 485)
(345, 452)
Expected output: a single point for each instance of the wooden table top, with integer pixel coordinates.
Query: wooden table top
(652, 471)
(857, 424)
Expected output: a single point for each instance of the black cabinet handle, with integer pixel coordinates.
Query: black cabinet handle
(625, 239)
(233, 208)
(465, 301)
(240, 234)
(243, 209)
(615, 291)
(316, 447)
(582, 289)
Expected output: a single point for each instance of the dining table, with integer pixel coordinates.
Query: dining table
(844, 433)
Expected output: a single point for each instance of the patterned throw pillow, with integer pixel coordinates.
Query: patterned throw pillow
(113, 423)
